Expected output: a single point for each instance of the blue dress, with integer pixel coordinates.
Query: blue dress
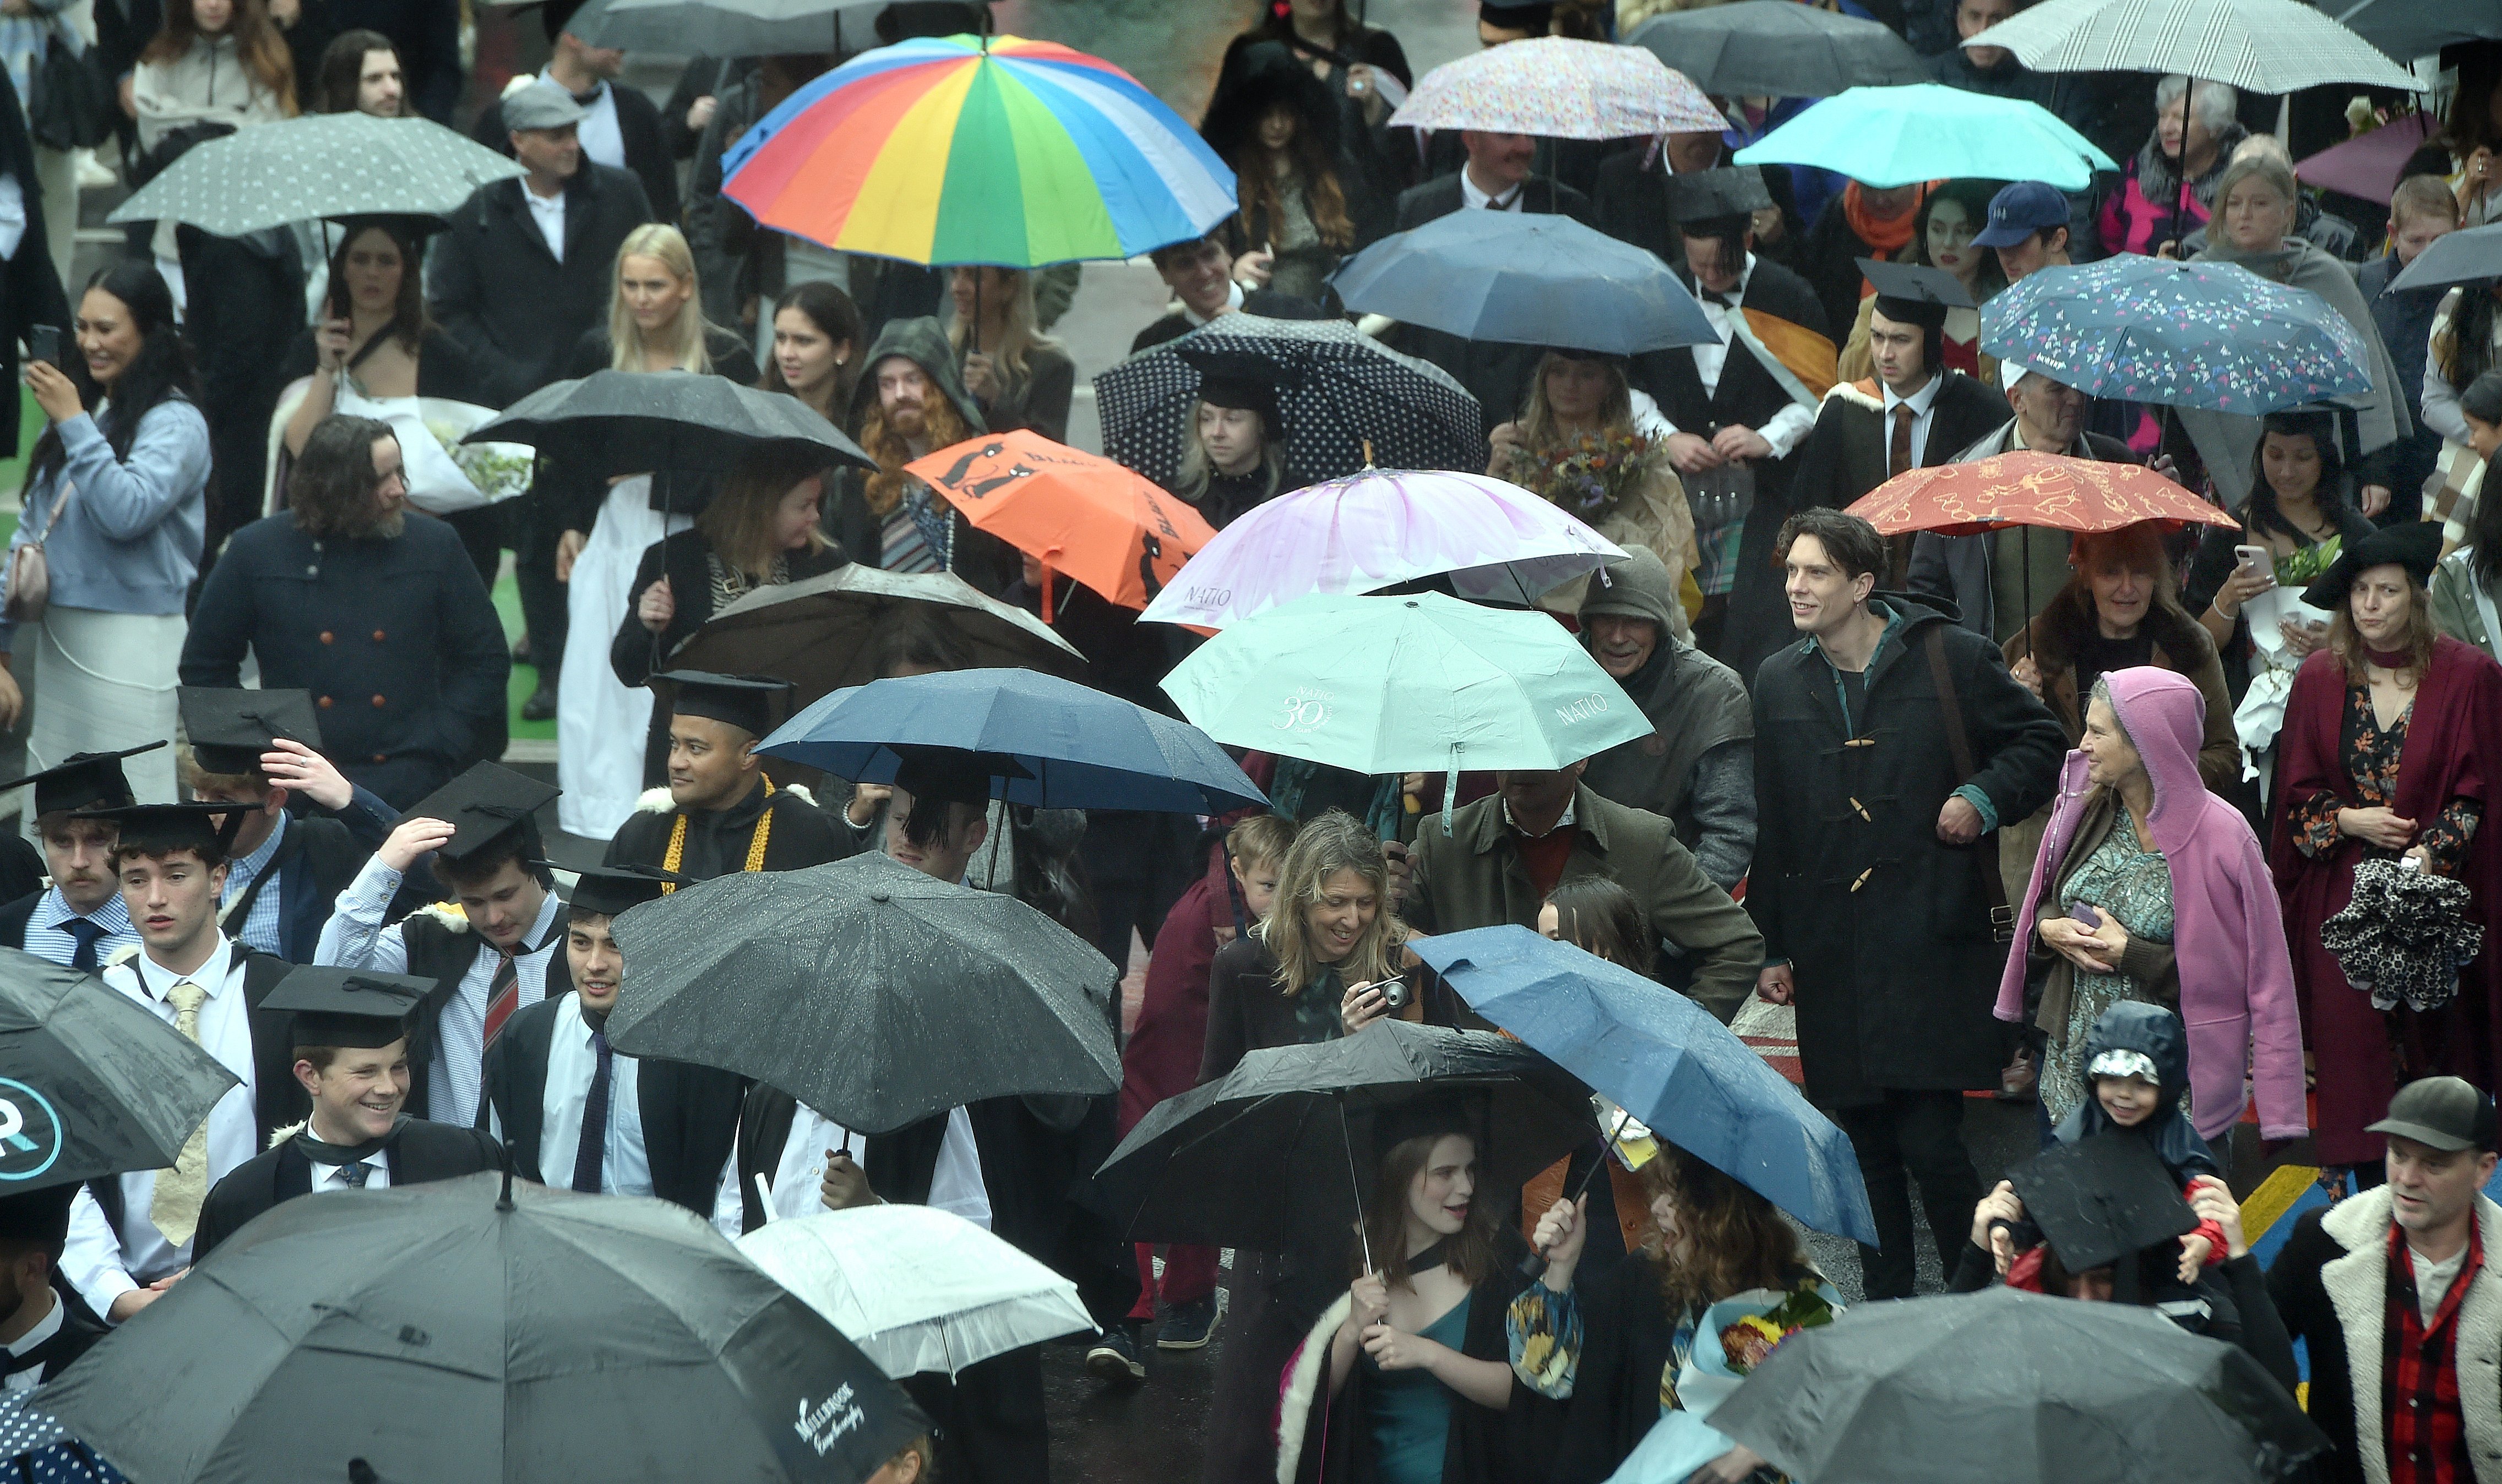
(1410, 1412)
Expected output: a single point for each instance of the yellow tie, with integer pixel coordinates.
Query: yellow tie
(175, 1208)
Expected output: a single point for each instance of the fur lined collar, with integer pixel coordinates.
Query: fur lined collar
(121, 955)
(1306, 1387)
(278, 1136)
(448, 913)
(1861, 394)
(2357, 1286)
(658, 801)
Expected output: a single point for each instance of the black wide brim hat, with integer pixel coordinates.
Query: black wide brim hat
(2415, 545)
(1265, 75)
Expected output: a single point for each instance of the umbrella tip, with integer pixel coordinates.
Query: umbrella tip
(505, 1201)
(1368, 453)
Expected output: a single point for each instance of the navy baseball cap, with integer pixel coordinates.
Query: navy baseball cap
(2021, 210)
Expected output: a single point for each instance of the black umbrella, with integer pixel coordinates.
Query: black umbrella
(2472, 257)
(870, 991)
(2013, 1387)
(613, 423)
(90, 1084)
(1272, 1149)
(1780, 48)
(435, 1333)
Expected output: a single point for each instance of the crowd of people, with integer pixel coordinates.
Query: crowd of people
(2069, 821)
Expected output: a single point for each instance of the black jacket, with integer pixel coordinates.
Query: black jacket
(648, 155)
(30, 288)
(717, 841)
(1886, 926)
(690, 1113)
(320, 854)
(397, 640)
(497, 288)
(419, 1152)
(78, 1332)
(1496, 375)
(1848, 454)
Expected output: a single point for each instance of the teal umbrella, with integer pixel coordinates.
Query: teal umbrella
(1901, 136)
(1394, 685)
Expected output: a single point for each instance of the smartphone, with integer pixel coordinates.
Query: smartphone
(2253, 558)
(43, 344)
(2084, 912)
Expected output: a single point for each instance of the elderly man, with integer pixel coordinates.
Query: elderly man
(374, 608)
(2000, 580)
(1696, 769)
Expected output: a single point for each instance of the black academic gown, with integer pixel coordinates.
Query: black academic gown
(690, 1113)
(418, 1152)
(1847, 456)
(719, 841)
(78, 1332)
(446, 954)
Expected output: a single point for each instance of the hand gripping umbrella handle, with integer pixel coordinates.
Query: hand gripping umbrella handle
(1533, 1266)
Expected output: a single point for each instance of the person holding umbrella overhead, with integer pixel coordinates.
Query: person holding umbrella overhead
(350, 1031)
(719, 812)
(910, 400)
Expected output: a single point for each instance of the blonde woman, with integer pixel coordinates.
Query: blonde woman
(1020, 377)
(656, 325)
(1581, 445)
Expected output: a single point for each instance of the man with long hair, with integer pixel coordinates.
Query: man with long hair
(373, 608)
(910, 401)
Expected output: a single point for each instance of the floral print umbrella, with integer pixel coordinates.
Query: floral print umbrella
(1559, 88)
(2044, 489)
(2174, 334)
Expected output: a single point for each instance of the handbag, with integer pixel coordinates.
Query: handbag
(31, 575)
(69, 101)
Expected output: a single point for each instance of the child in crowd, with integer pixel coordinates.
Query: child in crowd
(2137, 1061)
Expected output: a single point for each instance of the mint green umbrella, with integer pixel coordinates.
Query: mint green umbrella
(1901, 136)
(1394, 685)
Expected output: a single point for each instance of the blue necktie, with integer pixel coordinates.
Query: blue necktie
(352, 1175)
(88, 935)
(593, 1150)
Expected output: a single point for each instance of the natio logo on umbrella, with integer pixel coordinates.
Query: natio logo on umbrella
(30, 1132)
(1588, 708)
(824, 1425)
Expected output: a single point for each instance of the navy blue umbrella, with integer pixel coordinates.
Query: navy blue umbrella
(1524, 279)
(1047, 742)
(36, 1449)
(1666, 1061)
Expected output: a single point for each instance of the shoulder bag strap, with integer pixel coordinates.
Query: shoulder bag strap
(1993, 888)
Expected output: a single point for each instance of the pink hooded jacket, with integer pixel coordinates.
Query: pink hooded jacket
(2237, 996)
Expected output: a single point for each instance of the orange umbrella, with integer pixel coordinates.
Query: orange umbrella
(1101, 522)
(2083, 495)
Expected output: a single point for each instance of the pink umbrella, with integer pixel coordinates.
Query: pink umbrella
(1559, 88)
(2366, 167)
(1376, 529)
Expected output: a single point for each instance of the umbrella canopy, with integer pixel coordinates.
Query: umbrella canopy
(2403, 935)
(917, 1288)
(319, 166)
(2368, 165)
(1272, 1148)
(2047, 490)
(2258, 45)
(1387, 684)
(2411, 28)
(2017, 1388)
(1095, 520)
(1525, 278)
(1058, 745)
(720, 28)
(1902, 136)
(823, 633)
(1666, 1061)
(870, 991)
(1378, 529)
(1780, 48)
(2175, 334)
(39, 1450)
(995, 149)
(613, 423)
(1558, 89)
(1346, 400)
(2455, 258)
(436, 1331)
(90, 1084)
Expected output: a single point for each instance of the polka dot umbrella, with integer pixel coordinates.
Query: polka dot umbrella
(321, 165)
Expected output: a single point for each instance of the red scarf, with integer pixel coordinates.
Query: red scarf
(1885, 236)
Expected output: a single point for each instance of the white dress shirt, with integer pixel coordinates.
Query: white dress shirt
(104, 1264)
(1474, 200)
(354, 937)
(549, 213)
(259, 926)
(326, 1177)
(626, 1168)
(955, 1185)
(1924, 405)
(12, 231)
(601, 139)
(1786, 429)
(44, 1329)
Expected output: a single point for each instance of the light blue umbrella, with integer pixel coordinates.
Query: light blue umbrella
(1902, 136)
(1524, 279)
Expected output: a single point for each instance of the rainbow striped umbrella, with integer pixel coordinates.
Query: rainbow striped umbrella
(947, 150)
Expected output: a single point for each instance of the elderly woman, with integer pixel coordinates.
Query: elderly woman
(1580, 443)
(2148, 888)
(2147, 211)
(2254, 201)
(2384, 753)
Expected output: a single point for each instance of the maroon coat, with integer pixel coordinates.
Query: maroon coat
(2458, 716)
(1164, 1046)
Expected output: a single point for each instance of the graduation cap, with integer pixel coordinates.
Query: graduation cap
(1238, 379)
(161, 828)
(38, 1218)
(1911, 293)
(2101, 1198)
(951, 775)
(229, 730)
(353, 1007)
(744, 701)
(87, 781)
(1712, 203)
(1536, 16)
(611, 890)
(489, 807)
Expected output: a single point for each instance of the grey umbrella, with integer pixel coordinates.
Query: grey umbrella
(869, 991)
(439, 1335)
(720, 27)
(90, 1084)
(320, 165)
(1780, 49)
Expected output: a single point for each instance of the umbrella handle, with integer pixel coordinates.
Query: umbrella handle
(1347, 1141)
(1533, 1267)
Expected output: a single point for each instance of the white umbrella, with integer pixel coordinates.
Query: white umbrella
(2258, 46)
(917, 1288)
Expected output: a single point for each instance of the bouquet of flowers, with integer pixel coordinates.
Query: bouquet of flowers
(1745, 1342)
(1590, 474)
(1735, 1335)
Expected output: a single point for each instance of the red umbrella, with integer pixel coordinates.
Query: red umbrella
(2083, 495)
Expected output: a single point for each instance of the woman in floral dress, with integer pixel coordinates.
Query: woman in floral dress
(1581, 445)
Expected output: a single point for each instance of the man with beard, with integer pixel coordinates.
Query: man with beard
(77, 919)
(911, 400)
(374, 609)
(42, 1329)
(720, 813)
